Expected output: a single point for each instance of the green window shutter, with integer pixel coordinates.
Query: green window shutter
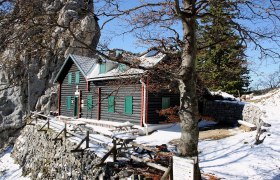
(89, 102)
(77, 77)
(122, 67)
(128, 105)
(68, 102)
(111, 104)
(102, 68)
(70, 78)
(165, 102)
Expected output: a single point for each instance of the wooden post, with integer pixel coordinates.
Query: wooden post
(65, 131)
(59, 98)
(80, 104)
(87, 140)
(168, 172)
(114, 150)
(99, 103)
(147, 100)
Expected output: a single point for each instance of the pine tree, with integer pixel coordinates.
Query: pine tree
(221, 62)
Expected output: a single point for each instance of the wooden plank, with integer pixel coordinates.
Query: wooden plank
(154, 165)
(144, 147)
(166, 174)
(246, 124)
(105, 156)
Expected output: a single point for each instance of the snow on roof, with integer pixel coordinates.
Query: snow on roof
(151, 59)
(115, 73)
(225, 95)
(148, 60)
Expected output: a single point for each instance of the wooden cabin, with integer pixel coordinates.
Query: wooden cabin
(96, 88)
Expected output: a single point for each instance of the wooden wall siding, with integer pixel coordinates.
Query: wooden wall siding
(154, 104)
(154, 100)
(86, 113)
(120, 93)
(69, 90)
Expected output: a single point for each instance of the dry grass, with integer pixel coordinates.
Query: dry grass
(212, 134)
(215, 134)
(209, 177)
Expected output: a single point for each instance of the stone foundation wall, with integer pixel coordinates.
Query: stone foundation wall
(42, 158)
(225, 112)
(228, 112)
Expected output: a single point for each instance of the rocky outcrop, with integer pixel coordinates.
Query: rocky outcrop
(252, 114)
(37, 90)
(43, 158)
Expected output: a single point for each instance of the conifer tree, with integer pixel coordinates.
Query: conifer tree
(221, 62)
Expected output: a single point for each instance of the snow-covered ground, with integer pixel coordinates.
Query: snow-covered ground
(9, 170)
(237, 157)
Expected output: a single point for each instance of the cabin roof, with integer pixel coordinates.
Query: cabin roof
(116, 73)
(86, 66)
(148, 60)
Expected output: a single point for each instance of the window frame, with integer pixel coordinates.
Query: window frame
(77, 77)
(69, 75)
(68, 102)
(128, 105)
(122, 67)
(111, 104)
(165, 102)
(102, 68)
(89, 102)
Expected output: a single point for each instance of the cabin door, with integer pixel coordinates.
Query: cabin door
(76, 105)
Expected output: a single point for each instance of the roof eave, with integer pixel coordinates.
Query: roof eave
(62, 67)
(115, 77)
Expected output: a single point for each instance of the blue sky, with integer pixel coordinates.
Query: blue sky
(259, 67)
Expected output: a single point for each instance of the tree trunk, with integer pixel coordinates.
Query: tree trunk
(187, 86)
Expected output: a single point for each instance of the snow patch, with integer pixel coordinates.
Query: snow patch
(9, 170)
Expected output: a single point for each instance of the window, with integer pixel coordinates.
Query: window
(89, 102)
(165, 102)
(128, 105)
(111, 104)
(70, 78)
(102, 68)
(122, 67)
(68, 102)
(77, 77)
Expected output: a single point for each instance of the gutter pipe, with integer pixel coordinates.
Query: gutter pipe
(145, 107)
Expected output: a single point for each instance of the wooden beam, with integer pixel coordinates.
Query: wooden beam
(46, 124)
(57, 136)
(86, 138)
(105, 156)
(155, 150)
(154, 165)
(168, 172)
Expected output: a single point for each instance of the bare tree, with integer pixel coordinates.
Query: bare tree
(170, 26)
(271, 80)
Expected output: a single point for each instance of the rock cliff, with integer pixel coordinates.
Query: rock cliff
(74, 24)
